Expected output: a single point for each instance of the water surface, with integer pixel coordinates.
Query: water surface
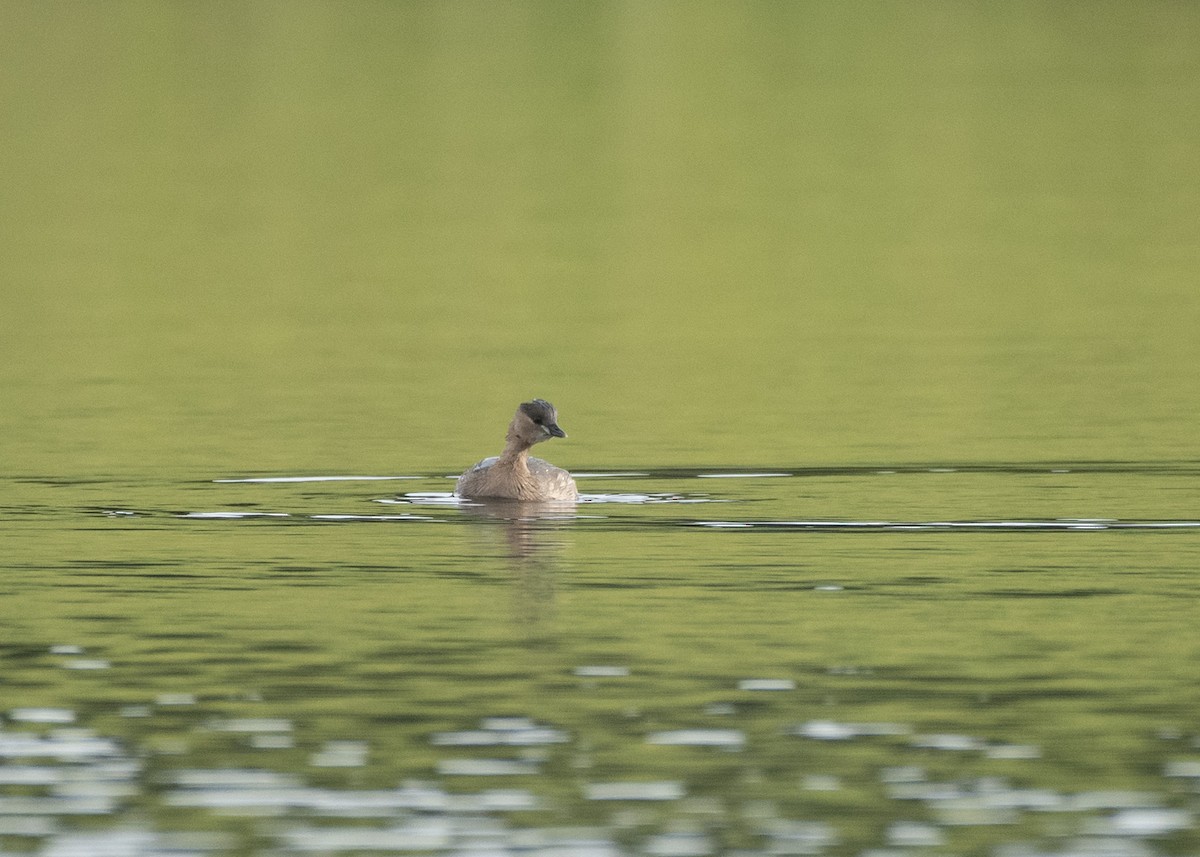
(689, 661)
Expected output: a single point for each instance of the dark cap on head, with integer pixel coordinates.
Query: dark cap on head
(538, 409)
(543, 414)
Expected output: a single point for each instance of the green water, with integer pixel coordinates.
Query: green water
(932, 264)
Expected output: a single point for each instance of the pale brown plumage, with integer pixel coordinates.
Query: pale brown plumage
(513, 475)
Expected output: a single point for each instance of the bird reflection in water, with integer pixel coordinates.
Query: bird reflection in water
(534, 535)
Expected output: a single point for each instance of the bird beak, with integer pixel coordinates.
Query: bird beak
(555, 431)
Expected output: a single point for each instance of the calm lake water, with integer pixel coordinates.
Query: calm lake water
(873, 328)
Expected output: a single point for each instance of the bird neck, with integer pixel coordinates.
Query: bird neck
(516, 450)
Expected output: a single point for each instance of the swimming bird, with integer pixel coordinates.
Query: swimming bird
(513, 475)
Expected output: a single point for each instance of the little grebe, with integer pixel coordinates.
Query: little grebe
(513, 474)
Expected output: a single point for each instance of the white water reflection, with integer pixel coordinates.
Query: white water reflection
(233, 516)
(444, 498)
(251, 724)
(78, 745)
(615, 474)
(340, 754)
(830, 730)
(86, 664)
(381, 518)
(502, 731)
(42, 715)
(79, 774)
(668, 790)
(728, 739)
(270, 479)
(767, 685)
(601, 671)
(487, 768)
(1154, 821)
(740, 475)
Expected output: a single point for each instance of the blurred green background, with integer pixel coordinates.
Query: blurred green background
(326, 237)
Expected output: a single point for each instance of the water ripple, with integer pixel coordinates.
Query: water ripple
(1055, 525)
